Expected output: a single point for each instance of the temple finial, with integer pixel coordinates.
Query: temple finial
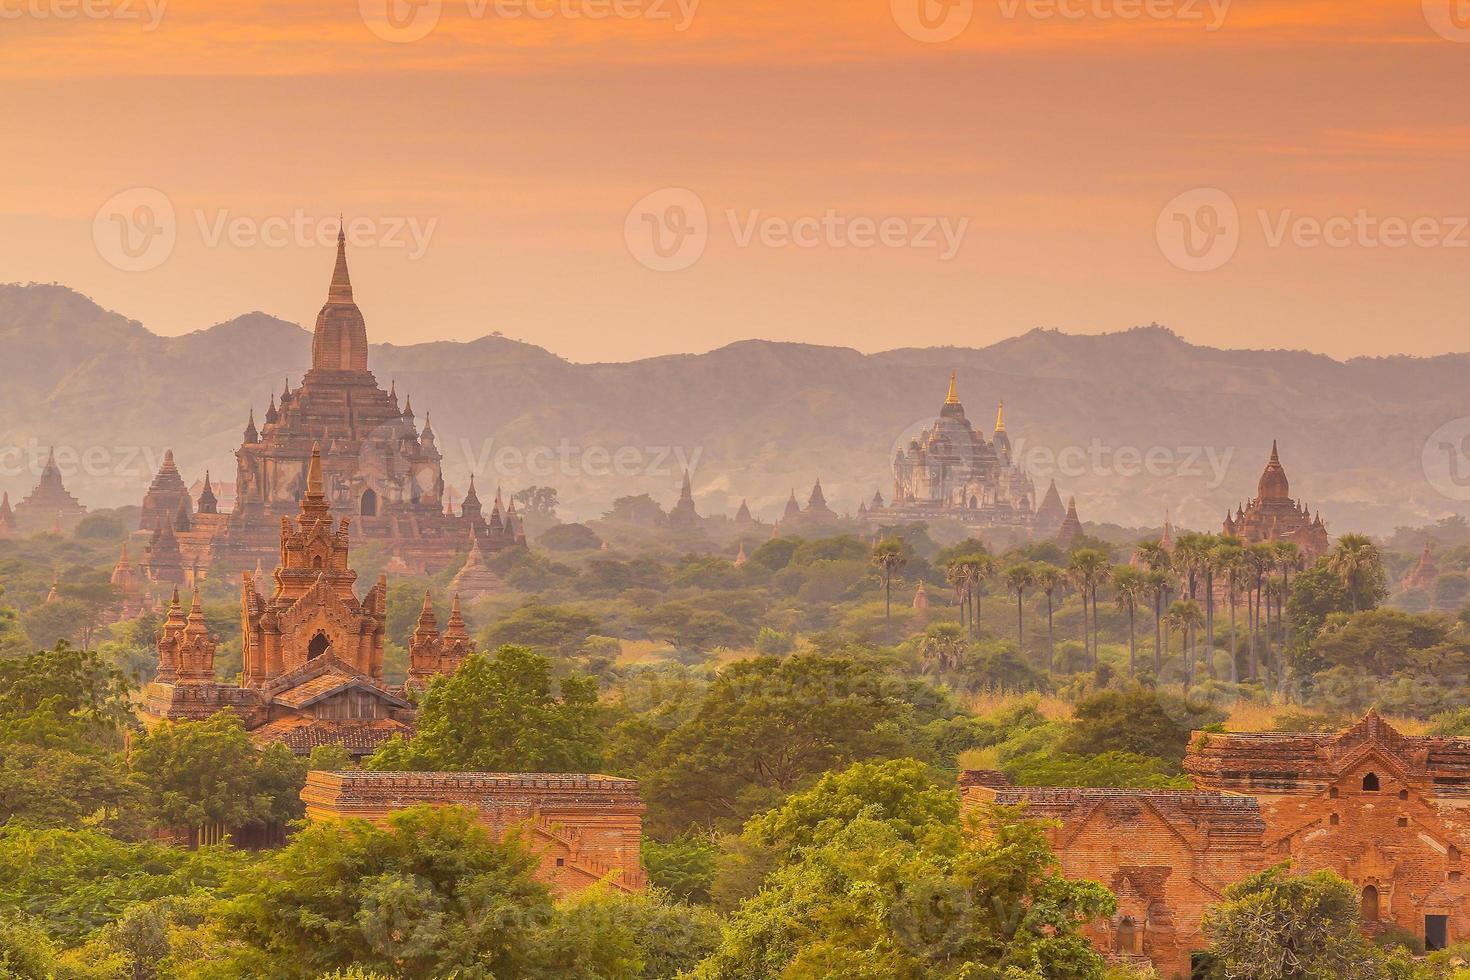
(953, 398)
(1000, 416)
(341, 288)
(314, 483)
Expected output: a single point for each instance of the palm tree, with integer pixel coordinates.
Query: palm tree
(1228, 556)
(889, 558)
(1050, 580)
(1258, 560)
(1160, 563)
(1288, 560)
(944, 646)
(1192, 558)
(1160, 587)
(956, 574)
(1018, 579)
(1355, 560)
(1089, 568)
(1131, 586)
(1186, 617)
(975, 570)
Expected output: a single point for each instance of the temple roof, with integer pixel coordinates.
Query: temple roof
(339, 342)
(316, 689)
(1294, 755)
(1274, 484)
(50, 495)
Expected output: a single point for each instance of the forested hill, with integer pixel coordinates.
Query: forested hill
(759, 417)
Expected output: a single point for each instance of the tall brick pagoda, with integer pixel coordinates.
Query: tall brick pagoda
(952, 470)
(377, 465)
(50, 504)
(1274, 516)
(312, 650)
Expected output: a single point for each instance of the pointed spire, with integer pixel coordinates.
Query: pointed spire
(53, 596)
(196, 614)
(1000, 416)
(428, 625)
(252, 434)
(455, 629)
(175, 619)
(953, 398)
(314, 470)
(408, 407)
(341, 289)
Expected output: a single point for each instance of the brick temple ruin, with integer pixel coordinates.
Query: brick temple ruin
(583, 829)
(1388, 812)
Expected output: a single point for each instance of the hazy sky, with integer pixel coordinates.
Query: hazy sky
(618, 178)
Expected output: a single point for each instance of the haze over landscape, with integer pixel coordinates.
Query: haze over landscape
(759, 418)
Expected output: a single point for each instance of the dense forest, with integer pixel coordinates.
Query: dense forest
(795, 718)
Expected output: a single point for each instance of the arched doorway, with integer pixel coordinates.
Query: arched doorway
(319, 645)
(369, 506)
(1370, 904)
(1370, 783)
(1128, 937)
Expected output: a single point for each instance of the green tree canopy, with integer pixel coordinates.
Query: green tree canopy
(501, 713)
(1280, 926)
(190, 773)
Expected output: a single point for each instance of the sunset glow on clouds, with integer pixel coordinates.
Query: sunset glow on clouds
(1057, 130)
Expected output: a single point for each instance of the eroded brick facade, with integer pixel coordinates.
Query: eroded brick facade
(1388, 812)
(584, 829)
(1168, 856)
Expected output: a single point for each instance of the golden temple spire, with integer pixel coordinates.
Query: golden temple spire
(341, 289)
(1000, 417)
(954, 391)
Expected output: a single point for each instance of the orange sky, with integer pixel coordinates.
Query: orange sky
(1068, 140)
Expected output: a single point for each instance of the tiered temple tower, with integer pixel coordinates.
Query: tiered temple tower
(312, 650)
(952, 470)
(1274, 516)
(430, 652)
(50, 504)
(313, 609)
(684, 516)
(377, 465)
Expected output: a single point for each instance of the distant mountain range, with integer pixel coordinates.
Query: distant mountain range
(757, 418)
